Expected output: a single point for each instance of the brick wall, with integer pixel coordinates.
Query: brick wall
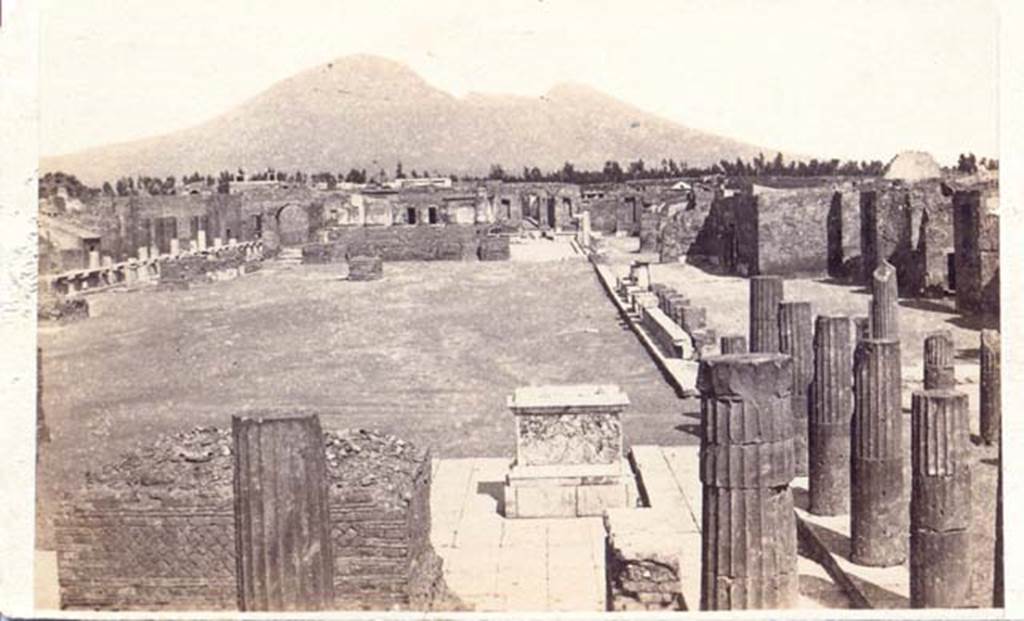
(452, 242)
(792, 231)
(156, 530)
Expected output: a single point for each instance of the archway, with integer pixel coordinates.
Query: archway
(292, 223)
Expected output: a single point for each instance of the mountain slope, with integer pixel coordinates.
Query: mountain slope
(368, 112)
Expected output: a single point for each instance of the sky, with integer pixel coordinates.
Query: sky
(854, 79)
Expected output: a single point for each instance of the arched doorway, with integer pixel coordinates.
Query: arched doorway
(292, 223)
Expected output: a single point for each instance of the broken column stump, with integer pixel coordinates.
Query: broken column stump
(878, 516)
(990, 406)
(795, 340)
(282, 528)
(748, 534)
(569, 458)
(365, 267)
(733, 344)
(828, 432)
(765, 297)
(884, 302)
(938, 360)
(940, 501)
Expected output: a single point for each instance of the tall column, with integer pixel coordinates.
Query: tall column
(828, 432)
(733, 344)
(878, 519)
(884, 302)
(282, 527)
(940, 501)
(795, 340)
(938, 360)
(765, 297)
(990, 403)
(748, 535)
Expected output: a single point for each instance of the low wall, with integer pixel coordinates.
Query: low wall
(671, 339)
(155, 531)
(449, 242)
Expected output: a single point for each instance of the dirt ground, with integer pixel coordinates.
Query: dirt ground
(429, 353)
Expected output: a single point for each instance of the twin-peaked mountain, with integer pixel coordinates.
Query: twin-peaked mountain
(368, 112)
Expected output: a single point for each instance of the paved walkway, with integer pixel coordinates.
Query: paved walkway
(498, 564)
(529, 565)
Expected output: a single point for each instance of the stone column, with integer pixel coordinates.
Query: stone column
(795, 340)
(201, 239)
(940, 502)
(94, 259)
(748, 535)
(282, 526)
(884, 302)
(765, 296)
(175, 246)
(990, 413)
(216, 242)
(585, 229)
(878, 517)
(143, 253)
(938, 360)
(733, 344)
(828, 432)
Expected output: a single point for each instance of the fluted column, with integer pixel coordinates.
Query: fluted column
(862, 327)
(938, 360)
(748, 536)
(795, 340)
(829, 420)
(733, 344)
(940, 502)
(990, 402)
(765, 297)
(878, 520)
(884, 302)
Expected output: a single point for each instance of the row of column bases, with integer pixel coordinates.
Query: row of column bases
(803, 404)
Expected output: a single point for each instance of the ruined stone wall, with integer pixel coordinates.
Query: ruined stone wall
(451, 242)
(977, 251)
(792, 231)
(156, 530)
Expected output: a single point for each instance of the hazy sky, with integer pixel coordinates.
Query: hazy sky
(849, 79)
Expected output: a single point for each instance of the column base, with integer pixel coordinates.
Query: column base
(568, 490)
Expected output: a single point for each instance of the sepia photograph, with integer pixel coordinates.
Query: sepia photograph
(517, 306)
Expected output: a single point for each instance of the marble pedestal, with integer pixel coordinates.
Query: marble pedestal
(569, 457)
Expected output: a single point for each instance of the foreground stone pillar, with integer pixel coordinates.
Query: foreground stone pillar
(829, 420)
(990, 410)
(733, 344)
(939, 371)
(748, 534)
(765, 297)
(884, 303)
(569, 458)
(282, 527)
(940, 502)
(878, 520)
(795, 340)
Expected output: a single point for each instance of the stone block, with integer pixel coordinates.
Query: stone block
(540, 501)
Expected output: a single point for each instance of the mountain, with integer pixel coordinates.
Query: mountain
(369, 112)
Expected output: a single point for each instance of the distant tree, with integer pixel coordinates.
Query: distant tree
(568, 173)
(612, 172)
(224, 182)
(967, 164)
(497, 173)
(107, 190)
(399, 174)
